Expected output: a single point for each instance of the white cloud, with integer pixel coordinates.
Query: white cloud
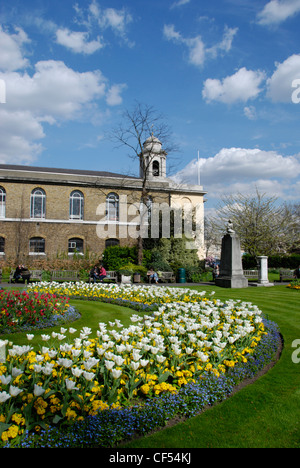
(241, 170)
(179, 3)
(280, 84)
(19, 132)
(250, 112)
(11, 57)
(196, 48)
(105, 18)
(226, 43)
(113, 97)
(53, 93)
(78, 41)
(242, 86)
(277, 11)
(54, 89)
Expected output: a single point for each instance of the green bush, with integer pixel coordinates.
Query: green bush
(274, 261)
(116, 257)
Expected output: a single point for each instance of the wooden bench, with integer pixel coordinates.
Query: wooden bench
(65, 275)
(251, 274)
(111, 276)
(166, 277)
(286, 275)
(34, 275)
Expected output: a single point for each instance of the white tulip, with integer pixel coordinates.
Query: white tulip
(65, 362)
(16, 372)
(116, 373)
(30, 337)
(45, 337)
(70, 385)
(76, 371)
(134, 365)
(48, 368)
(4, 396)
(88, 375)
(91, 362)
(60, 336)
(160, 358)
(144, 362)
(109, 365)
(38, 391)
(15, 391)
(5, 380)
(119, 360)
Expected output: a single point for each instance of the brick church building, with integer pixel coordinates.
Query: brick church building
(46, 211)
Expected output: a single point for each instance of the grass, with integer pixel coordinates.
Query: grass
(264, 414)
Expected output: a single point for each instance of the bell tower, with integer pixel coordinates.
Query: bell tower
(153, 160)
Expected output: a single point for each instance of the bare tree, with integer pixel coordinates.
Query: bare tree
(136, 127)
(264, 226)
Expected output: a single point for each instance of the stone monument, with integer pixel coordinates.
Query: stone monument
(231, 270)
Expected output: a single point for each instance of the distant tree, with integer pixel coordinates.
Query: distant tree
(263, 226)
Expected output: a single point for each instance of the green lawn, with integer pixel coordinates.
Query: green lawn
(264, 414)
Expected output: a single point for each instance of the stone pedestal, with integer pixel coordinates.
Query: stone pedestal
(263, 279)
(231, 270)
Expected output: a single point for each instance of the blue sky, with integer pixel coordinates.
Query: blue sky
(222, 73)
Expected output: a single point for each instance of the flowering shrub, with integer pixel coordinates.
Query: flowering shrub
(21, 309)
(178, 344)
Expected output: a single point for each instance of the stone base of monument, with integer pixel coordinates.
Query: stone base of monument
(232, 282)
(265, 284)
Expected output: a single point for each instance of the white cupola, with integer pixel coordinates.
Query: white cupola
(153, 160)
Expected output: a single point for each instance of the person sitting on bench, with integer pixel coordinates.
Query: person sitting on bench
(152, 275)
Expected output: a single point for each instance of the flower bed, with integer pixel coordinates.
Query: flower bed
(25, 309)
(294, 284)
(132, 295)
(179, 346)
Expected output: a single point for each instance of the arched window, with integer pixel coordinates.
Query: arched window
(2, 245)
(155, 169)
(75, 245)
(38, 204)
(111, 242)
(2, 202)
(76, 205)
(112, 207)
(37, 245)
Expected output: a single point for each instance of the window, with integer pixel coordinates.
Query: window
(112, 207)
(111, 242)
(2, 202)
(76, 205)
(38, 204)
(155, 168)
(75, 245)
(2, 245)
(37, 245)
